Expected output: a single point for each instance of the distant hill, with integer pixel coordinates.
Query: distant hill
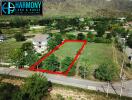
(91, 8)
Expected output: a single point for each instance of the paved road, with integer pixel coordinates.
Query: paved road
(86, 84)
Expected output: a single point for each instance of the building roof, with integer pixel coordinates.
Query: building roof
(41, 38)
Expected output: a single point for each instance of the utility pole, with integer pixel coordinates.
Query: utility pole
(122, 84)
(108, 86)
(122, 74)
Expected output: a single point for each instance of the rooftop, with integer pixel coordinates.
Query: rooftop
(40, 37)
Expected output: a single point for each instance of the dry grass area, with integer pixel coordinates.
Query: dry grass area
(70, 94)
(61, 92)
(13, 81)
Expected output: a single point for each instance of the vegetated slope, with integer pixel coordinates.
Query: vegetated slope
(88, 7)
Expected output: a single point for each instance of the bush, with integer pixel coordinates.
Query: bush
(80, 36)
(19, 22)
(102, 40)
(28, 46)
(19, 37)
(129, 41)
(65, 64)
(106, 72)
(59, 97)
(71, 36)
(7, 90)
(35, 87)
(128, 65)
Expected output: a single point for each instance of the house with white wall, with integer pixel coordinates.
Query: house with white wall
(40, 42)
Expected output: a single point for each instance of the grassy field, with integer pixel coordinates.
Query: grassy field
(68, 50)
(96, 53)
(6, 47)
(93, 54)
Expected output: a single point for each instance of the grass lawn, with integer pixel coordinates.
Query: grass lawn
(93, 54)
(96, 53)
(68, 50)
(6, 47)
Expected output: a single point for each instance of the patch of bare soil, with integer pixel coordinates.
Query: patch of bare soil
(12, 81)
(69, 94)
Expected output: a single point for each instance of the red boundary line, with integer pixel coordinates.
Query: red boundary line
(33, 67)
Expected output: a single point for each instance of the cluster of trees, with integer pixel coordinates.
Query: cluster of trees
(63, 23)
(19, 22)
(19, 37)
(106, 72)
(36, 87)
(24, 55)
(52, 63)
(54, 41)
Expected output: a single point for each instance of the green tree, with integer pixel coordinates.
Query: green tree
(61, 24)
(19, 37)
(30, 58)
(58, 39)
(7, 90)
(121, 31)
(51, 63)
(35, 87)
(19, 22)
(1, 32)
(106, 72)
(28, 46)
(80, 36)
(51, 44)
(17, 58)
(65, 63)
(101, 28)
(71, 36)
(90, 36)
(54, 41)
(129, 41)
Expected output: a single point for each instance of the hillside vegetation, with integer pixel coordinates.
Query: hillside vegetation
(91, 8)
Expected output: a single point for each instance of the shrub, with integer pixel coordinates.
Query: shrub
(60, 97)
(106, 72)
(19, 37)
(65, 64)
(51, 63)
(28, 46)
(80, 36)
(102, 40)
(129, 41)
(19, 22)
(7, 90)
(35, 87)
(71, 36)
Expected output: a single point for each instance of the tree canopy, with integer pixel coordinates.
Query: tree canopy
(129, 41)
(106, 72)
(51, 63)
(19, 37)
(35, 87)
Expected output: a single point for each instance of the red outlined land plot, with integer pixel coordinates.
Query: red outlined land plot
(34, 66)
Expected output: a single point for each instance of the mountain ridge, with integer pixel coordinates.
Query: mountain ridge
(89, 7)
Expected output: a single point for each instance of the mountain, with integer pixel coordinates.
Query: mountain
(91, 8)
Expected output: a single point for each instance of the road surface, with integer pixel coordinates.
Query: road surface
(72, 81)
